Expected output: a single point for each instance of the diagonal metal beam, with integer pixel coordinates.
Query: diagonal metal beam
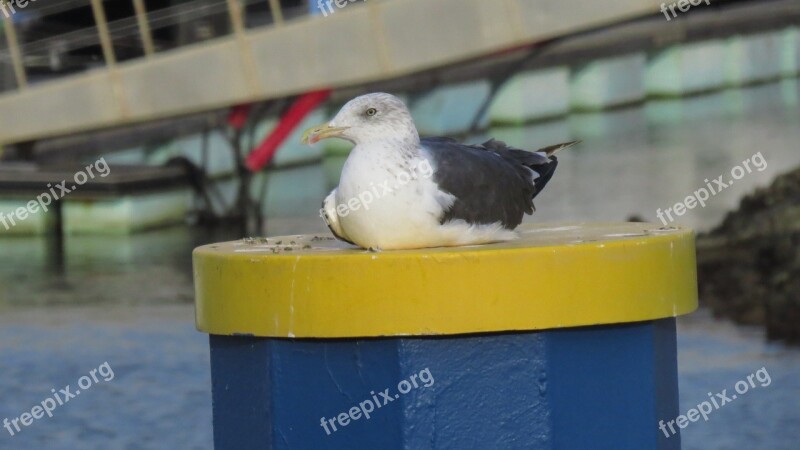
(102, 30)
(14, 51)
(144, 27)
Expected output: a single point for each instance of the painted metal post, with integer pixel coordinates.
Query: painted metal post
(564, 338)
(14, 48)
(144, 27)
(106, 42)
(276, 12)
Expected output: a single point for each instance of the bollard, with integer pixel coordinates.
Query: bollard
(564, 338)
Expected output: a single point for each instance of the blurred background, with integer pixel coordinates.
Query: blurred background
(197, 107)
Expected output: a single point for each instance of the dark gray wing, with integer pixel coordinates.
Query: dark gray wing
(492, 182)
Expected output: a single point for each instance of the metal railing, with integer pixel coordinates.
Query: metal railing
(138, 29)
(251, 50)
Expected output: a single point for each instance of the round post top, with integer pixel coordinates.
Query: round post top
(553, 276)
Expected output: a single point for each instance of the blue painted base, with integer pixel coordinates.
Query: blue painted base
(594, 387)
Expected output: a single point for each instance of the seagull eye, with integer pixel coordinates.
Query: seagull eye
(372, 112)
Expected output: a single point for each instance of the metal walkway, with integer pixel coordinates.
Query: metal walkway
(360, 43)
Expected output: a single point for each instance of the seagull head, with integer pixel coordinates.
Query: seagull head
(368, 118)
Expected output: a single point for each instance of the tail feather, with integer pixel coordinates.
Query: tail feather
(541, 162)
(546, 171)
(551, 150)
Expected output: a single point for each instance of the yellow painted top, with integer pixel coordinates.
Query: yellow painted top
(553, 276)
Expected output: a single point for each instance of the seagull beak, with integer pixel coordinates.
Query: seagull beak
(320, 132)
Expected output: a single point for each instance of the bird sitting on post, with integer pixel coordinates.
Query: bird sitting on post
(398, 191)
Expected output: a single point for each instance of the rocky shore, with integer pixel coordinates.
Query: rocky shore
(749, 266)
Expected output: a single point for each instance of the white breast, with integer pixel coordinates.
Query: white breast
(389, 201)
(386, 199)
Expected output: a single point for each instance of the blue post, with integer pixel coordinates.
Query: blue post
(594, 387)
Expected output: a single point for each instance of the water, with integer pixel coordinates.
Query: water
(715, 355)
(128, 300)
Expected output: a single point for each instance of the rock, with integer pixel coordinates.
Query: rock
(749, 266)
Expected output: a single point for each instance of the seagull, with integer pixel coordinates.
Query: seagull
(397, 191)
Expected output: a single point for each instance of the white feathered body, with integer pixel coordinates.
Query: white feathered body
(388, 200)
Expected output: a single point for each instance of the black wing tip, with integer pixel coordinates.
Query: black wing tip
(551, 150)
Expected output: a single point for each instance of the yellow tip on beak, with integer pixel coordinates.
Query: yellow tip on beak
(320, 132)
